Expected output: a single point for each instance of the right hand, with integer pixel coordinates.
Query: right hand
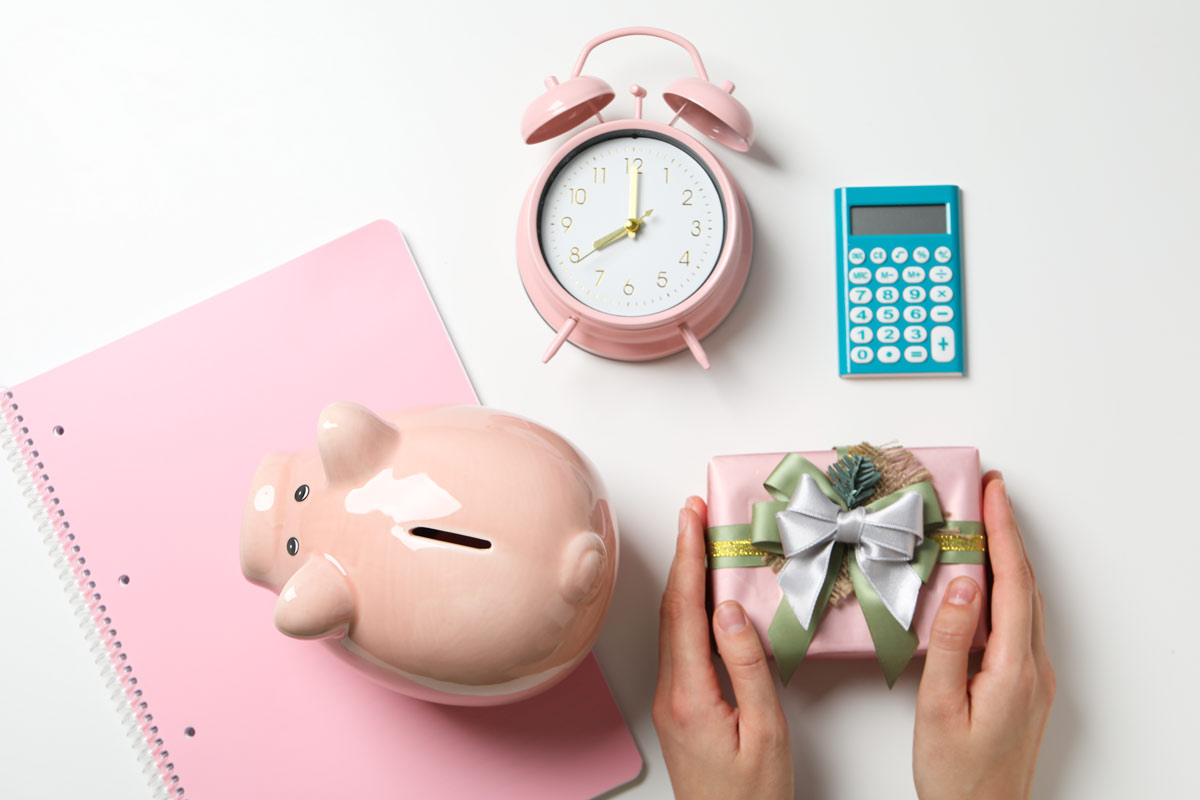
(979, 738)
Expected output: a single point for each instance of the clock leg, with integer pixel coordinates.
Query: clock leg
(561, 337)
(694, 345)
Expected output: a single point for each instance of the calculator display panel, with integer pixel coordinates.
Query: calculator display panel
(898, 220)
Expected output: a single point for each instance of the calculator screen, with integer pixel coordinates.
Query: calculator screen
(893, 220)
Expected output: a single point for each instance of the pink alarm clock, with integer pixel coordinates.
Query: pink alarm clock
(634, 242)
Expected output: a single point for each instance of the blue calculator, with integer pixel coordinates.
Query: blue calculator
(899, 254)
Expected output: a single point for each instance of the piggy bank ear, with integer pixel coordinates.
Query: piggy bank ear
(583, 568)
(353, 442)
(317, 602)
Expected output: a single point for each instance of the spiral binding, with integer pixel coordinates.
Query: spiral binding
(64, 548)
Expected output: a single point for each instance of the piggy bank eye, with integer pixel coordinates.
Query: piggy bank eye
(301, 492)
(293, 546)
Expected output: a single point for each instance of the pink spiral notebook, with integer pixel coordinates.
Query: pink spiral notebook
(141, 453)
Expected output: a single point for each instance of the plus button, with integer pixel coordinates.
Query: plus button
(943, 338)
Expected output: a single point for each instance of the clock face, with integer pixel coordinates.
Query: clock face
(631, 223)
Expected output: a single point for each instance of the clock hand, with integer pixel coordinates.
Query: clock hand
(633, 198)
(630, 227)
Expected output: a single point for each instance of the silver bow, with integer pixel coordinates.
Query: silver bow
(884, 541)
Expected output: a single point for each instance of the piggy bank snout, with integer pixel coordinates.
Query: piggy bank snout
(262, 523)
(258, 554)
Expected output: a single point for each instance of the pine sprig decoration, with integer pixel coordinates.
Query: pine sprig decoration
(854, 478)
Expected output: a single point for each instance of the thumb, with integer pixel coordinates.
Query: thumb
(944, 681)
(746, 663)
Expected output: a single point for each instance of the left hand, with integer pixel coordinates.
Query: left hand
(713, 749)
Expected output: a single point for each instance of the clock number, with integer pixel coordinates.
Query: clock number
(637, 165)
(599, 276)
(566, 223)
(662, 280)
(686, 258)
(687, 197)
(696, 229)
(599, 174)
(666, 174)
(578, 196)
(628, 287)
(574, 255)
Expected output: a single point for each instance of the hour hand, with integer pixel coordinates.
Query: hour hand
(609, 238)
(630, 227)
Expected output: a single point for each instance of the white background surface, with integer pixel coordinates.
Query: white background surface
(152, 155)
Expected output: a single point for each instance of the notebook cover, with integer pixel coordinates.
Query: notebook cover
(160, 434)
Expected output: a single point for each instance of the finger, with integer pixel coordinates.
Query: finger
(1039, 627)
(1014, 589)
(759, 711)
(996, 475)
(664, 647)
(684, 619)
(943, 689)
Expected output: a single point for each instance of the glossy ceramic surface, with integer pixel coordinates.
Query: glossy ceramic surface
(456, 554)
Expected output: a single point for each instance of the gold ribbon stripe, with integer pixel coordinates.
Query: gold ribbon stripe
(959, 541)
(740, 547)
(946, 541)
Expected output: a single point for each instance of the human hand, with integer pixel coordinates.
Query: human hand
(713, 749)
(979, 738)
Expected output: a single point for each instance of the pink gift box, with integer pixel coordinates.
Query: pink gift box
(735, 483)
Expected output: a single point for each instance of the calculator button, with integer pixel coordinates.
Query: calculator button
(888, 314)
(862, 355)
(915, 334)
(889, 334)
(914, 313)
(889, 355)
(860, 275)
(914, 294)
(862, 315)
(943, 343)
(878, 255)
(941, 274)
(887, 275)
(887, 294)
(861, 335)
(860, 294)
(915, 354)
(857, 256)
(942, 254)
(914, 274)
(921, 255)
(941, 294)
(941, 313)
(899, 256)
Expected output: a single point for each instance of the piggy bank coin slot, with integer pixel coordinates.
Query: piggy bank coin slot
(450, 537)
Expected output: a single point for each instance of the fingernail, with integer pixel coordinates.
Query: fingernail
(961, 592)
(730, 617)
(682, 519)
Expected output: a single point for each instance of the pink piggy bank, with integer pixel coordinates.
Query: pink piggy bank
(455, 554)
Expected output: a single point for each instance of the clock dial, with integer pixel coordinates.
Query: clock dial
(631, 224)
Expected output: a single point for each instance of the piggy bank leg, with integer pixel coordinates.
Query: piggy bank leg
(317, 602)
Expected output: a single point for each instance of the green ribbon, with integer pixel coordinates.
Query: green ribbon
(894, 645)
